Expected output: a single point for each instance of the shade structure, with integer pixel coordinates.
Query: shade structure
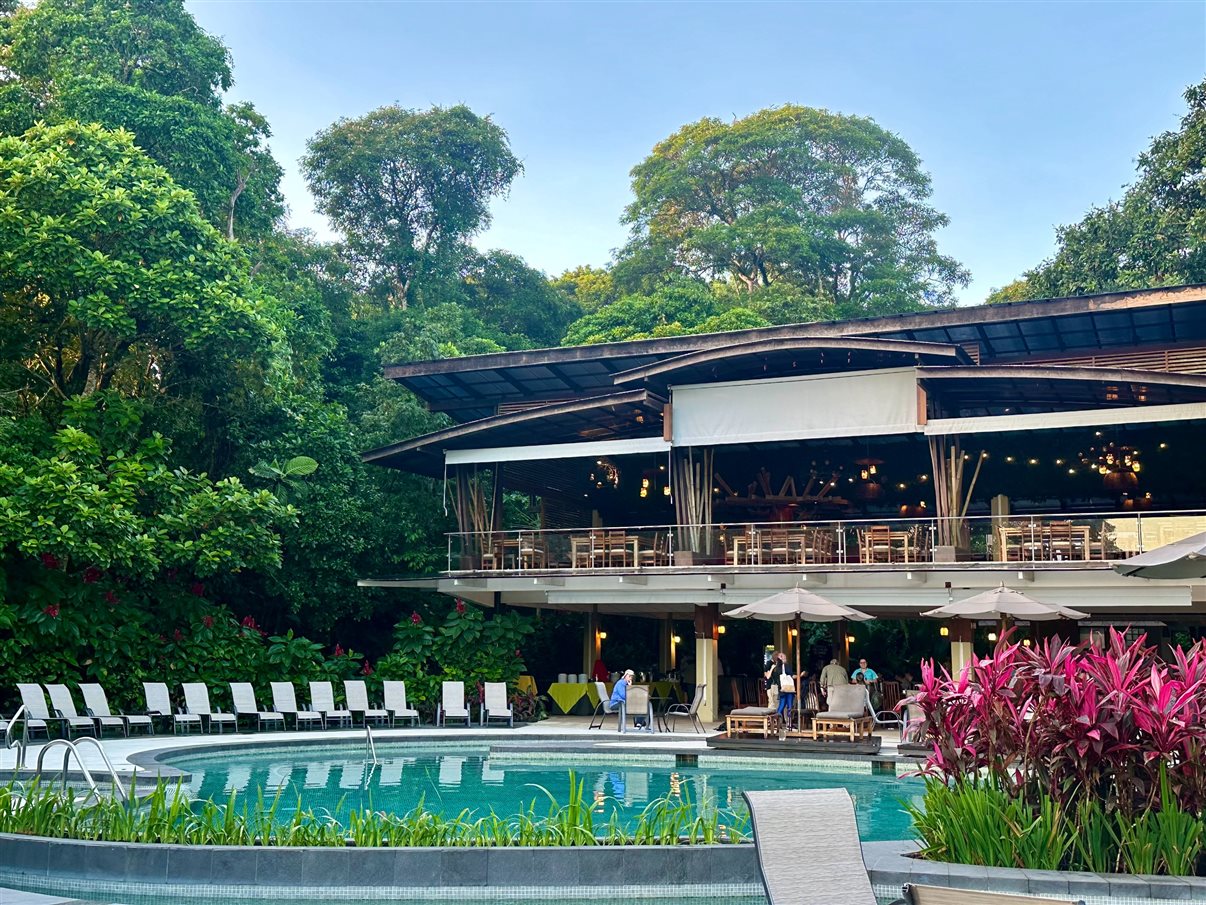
(797, 603)
(1180, 559)
(1001, 602)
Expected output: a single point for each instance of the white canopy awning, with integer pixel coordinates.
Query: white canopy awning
(589, 449)
(1139, 414)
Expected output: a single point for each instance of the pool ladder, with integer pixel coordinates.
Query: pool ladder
(69, 747)
(370, 747)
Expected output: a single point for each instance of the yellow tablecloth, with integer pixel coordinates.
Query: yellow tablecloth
(565, 695)
(526, 685)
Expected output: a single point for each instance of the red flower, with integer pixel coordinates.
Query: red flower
(207, 621)
(460, 605)
(338, 650)
(416, 618)
(110, 597)
(92, 574)
(197, 589)
(517, 653)
(178, 635)
(368, 670)
(52, 610)
(50, 561)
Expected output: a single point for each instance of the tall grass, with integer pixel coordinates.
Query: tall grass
(168, 815)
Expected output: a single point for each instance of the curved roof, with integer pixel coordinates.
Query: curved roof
(629, 413)
(783, 357)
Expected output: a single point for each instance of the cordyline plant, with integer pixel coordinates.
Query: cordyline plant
(1072, 723)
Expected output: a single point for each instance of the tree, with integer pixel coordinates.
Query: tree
(1017, 291)
(1155, 235)
(146, 67)
(409, 188)
(109, 275)
(517, 300)
(590, 287)
(833, 205)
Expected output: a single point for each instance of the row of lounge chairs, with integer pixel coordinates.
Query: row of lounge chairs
(197, 713)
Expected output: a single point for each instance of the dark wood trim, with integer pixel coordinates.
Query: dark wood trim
(732, 351)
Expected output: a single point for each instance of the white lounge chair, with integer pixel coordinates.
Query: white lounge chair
(395, 702)
(96, 703)
(243, 696)
(452, 704)
(284, 699)
(356, 694)
(196, 701)
(37, 714)
(322, 699)
(159, 704)
(64, 708)
(808, 847)
(494, 704)
(942, 895)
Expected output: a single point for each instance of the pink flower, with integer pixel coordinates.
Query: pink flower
(416, 619)
(368, 670)
(208, 621)
(50, 561)
(178, 635)
(52, 610)
(110, 597)
(338, 650)
(92, 575)
(460, 605)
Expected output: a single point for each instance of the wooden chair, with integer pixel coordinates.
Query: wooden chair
(491, 552)
(782, 547)
(876, 544)
(1059, 541)
(618, 549)
(816, 546)
(655, 555)
(531, 551)
(587, 550)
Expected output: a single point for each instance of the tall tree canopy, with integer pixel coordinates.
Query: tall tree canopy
(145, 66)
(1154, 236)
(832, 205)
(409, 188)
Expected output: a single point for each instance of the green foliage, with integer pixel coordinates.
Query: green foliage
(408, 189)
(832, 205)
(590, 287)
(683, 306)
(166, 815)
(1155, 235)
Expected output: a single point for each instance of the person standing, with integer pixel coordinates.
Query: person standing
(870, 678)
(787, 691)
(832, 675)
(772, 681)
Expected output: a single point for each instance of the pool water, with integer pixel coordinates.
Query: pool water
(337, 780)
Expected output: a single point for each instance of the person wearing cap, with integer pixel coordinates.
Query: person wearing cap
(619, 695)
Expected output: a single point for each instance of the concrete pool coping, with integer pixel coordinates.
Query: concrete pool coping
(229, 871)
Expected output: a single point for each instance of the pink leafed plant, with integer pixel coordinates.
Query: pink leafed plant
(1072, 722)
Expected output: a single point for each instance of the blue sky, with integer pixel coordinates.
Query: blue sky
(1024, 114)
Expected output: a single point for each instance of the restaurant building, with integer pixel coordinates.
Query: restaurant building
(891, 464)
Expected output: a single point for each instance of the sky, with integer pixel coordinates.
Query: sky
(1025, 115)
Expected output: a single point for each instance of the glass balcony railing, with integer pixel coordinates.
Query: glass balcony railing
(1096, 537)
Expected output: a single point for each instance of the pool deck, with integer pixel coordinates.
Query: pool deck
(136, 754)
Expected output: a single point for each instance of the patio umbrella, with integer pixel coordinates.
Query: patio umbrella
(1001, 602)
(801, 606)
(1181, 559)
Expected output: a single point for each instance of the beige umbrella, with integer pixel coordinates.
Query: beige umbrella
(1001, 602)
(1181, 559)
(802, 606)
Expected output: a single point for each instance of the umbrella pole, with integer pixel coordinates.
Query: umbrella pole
(798, 678)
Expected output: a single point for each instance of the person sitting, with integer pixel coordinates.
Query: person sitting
(619, 695)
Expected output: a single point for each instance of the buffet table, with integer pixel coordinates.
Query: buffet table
(581, 698)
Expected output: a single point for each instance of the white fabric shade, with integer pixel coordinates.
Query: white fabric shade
(797, 603)
(1180, 560)
(864, 403)
(1139, 414)
(593, 450)
(1004, 601)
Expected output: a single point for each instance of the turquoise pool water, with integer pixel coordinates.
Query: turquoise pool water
(337, 780)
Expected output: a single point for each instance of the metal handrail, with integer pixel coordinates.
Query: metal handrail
(71, 748)
(23, 743)
(369, 744)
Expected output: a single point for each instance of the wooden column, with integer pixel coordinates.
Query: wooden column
(961, 645)
(707, 664)
(590, 641)
(665, 643)
(837, 637)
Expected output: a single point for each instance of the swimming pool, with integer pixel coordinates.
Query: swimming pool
(337, 779)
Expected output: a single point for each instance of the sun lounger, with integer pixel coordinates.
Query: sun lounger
(196, 701)
(64, 708)
(159, 704)
(846, 716)
(751, 719)
(284, 699)
(808, 846)
(356, 694)
(96, 702)
(942, 895)
(322, 699)
(37, 714)
(452, 703)
(243, 696)
(494, 704)
(395, 703)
